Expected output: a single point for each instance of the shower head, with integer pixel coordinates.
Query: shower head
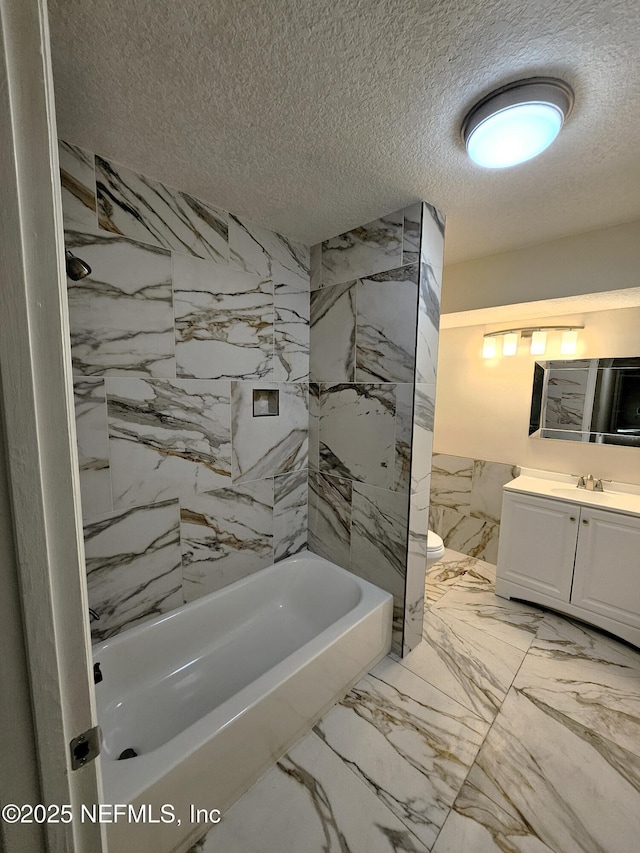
(76, 268)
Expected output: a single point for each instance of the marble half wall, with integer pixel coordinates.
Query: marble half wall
(374, 319)
(187, 311)
(466, 503)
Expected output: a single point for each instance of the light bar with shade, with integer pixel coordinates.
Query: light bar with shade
(538, 335)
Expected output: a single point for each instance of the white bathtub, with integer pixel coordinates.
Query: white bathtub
(212, 694)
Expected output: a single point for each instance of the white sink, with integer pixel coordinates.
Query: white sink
(585, 496)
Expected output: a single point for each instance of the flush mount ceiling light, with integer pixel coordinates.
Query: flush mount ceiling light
(516, 122)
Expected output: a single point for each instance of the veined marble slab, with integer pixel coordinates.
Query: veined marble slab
(224, 321)
(255, 249)
(459, 570)
(486, 488)
(408, 742)
(379, 521)
(386, 326)
(451, 480)
(330, 518)
(92, 434)
(78, 182)
(432, 244)
(416, 570)
(266, 446)
(471, 536)
(314, 425)
(133, 566)
(369, 249)
(168, 438)
(226, 535)
(121, 316)
(332, 811)
(424, 397)
(411, 234)
(509, 621)
(428, 323)
(290, 516)
(315, 264)
(291, 337)
(586, 677)
(333, 333)
(357, 432)
(135, 206)
(404, 411)
(544, 797)
(468, 665)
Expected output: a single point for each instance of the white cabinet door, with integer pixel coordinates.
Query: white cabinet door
(607, 570)
(538, 544)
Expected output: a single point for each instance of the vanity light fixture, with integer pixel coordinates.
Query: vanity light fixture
(538, 335)
(516, 122)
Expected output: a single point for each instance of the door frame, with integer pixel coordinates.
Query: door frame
(39, 431)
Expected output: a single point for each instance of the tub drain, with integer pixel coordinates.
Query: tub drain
(127, 753)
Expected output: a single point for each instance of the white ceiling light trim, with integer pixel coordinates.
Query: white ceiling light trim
(517, 122)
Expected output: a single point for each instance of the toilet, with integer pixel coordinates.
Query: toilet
(435, 548)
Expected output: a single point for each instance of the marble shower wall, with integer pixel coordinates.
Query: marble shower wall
(375, 296)
(466, 503)
(187, 310)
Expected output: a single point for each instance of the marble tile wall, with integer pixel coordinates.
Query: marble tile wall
(374, 318)
(466, 503)
(187, 310)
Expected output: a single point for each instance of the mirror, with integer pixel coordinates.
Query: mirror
(592, 400)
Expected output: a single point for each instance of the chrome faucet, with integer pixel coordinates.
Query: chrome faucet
(590, 484)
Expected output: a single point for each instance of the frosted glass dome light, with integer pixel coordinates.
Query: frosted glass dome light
(517, 122)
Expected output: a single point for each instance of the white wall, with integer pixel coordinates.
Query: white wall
(482, 406)
(595, 261)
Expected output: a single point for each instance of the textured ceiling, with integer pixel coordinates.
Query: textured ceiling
(314, 117)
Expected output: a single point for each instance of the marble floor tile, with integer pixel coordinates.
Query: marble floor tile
(509, 621)
(333, 333)
(460, 571)
(541, 779)
(223, 320)
(357, 432)
(411, 744)
(330, 517)
(226, 535)
(92, 435)
(133, 565)
(386, 326)
(121, 316)
(267, 446)
(371, 248)
(586, 676)
(291, 337)
(310, 801)
(138, 207)
(167, 438)
(78, 182)
(290, 514)
(258, 250)
(468, 665)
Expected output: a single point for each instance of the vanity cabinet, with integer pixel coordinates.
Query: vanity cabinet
(576, 558)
